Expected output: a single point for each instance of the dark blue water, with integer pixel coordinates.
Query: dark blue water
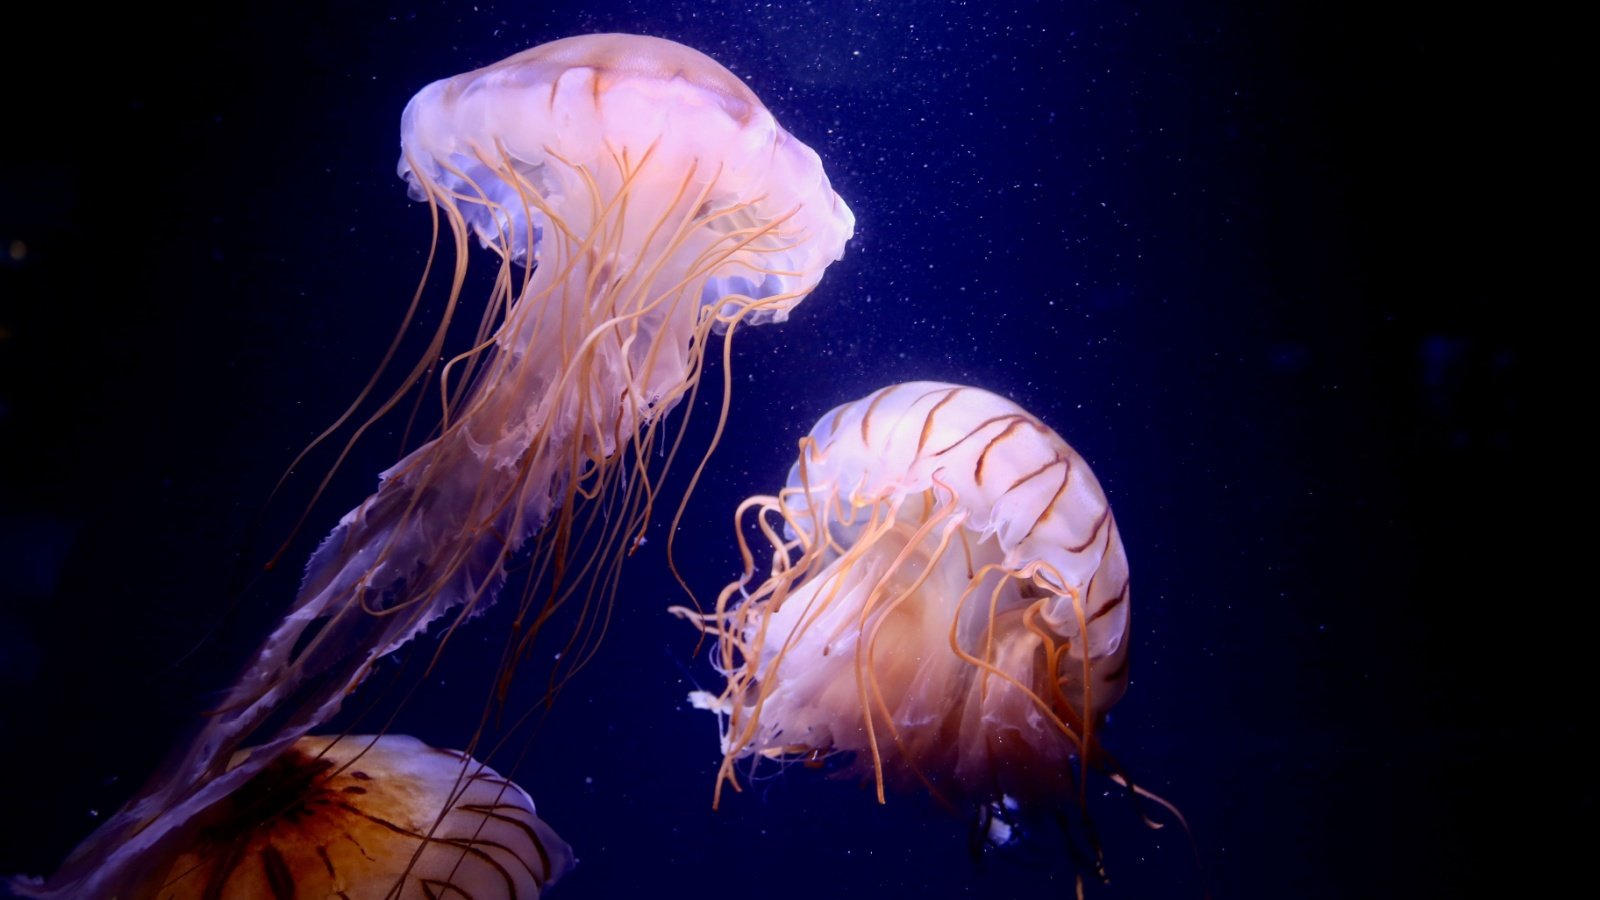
(1224, 252)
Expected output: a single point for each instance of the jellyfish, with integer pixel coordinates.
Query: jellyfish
(946, 603)
(369, 816)
(639, 201)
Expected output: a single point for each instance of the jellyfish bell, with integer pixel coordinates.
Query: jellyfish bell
(947, 601)
(629, 149)
(365, 816)
(640, 200)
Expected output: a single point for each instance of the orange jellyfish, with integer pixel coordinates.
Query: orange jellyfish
(368, 816)
(639, 201)
(947, 601)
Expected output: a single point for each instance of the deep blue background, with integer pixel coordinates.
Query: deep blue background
(1240, 258)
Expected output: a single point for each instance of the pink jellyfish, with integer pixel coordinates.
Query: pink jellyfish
(639, 200)
(947, 601)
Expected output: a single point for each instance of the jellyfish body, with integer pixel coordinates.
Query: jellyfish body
(366, 816)
(639, 199)
(947, 601)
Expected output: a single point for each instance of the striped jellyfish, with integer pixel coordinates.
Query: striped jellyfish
(946, 603)
(370, 816)
(638, 202)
